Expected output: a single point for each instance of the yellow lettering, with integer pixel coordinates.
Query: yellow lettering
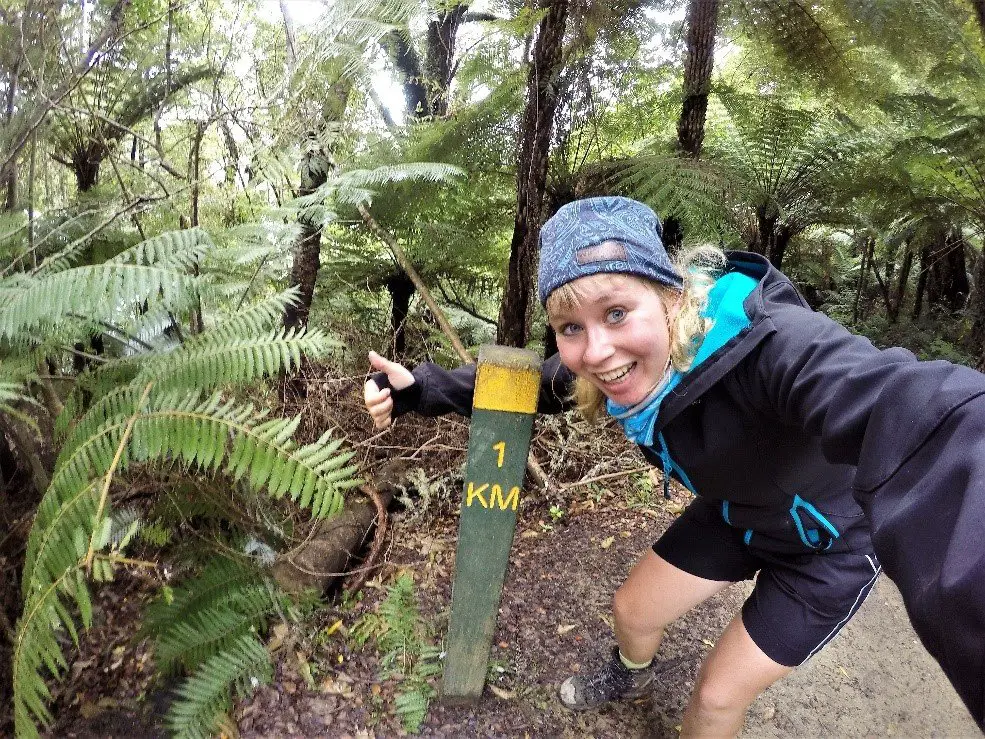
(476, 492)
(501, 448)
(512, 499)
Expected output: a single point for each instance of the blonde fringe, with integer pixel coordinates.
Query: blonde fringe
(700, 267)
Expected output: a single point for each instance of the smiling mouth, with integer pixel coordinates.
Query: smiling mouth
(616, 374)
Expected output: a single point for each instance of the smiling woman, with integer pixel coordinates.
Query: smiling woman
(614, 332)
(797, 438)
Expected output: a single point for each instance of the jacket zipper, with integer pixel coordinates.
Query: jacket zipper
(669, 465)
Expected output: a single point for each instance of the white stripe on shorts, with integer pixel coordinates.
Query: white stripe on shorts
(866, 589)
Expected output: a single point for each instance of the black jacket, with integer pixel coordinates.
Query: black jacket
(789, 403)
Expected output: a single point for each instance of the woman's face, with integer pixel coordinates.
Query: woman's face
(615, 335)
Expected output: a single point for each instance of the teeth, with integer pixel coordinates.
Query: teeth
(616, 374)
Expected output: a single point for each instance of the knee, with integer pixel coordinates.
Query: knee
(632, 613)
(718, 697)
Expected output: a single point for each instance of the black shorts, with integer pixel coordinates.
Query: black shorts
(799, 602)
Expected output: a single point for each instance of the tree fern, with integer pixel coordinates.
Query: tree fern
(170, 403)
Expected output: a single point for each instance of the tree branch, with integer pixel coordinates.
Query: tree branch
(407, 267)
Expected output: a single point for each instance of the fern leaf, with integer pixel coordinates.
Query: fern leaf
(173, 250)
(209, 433)
(205, 696)
(98, 291)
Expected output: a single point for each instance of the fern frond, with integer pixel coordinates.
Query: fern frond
(216, 583)
(72, 521)
(173, 249)
(252, 320)
(205, 696)
(209, 630)
(98, 291)
(236, 361)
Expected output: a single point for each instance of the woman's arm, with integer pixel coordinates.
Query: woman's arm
(916, 432)
(437, 391)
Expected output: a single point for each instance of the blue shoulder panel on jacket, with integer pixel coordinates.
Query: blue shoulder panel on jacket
(725, 308)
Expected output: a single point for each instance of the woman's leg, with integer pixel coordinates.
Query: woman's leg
(655, 594)
(731, 678)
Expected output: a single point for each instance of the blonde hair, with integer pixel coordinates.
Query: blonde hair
(700, 267)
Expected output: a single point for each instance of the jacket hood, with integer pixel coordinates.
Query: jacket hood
(737, 305)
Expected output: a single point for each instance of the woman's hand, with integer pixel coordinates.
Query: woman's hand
(378, 402)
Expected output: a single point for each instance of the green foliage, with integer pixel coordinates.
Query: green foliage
(405, 653)
(204, 698)
(176, 405)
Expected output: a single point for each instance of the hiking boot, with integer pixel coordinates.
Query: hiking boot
(613, 681)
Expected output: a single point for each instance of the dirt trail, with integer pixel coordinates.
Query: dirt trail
(875, 679)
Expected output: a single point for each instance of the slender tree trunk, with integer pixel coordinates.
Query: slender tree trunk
(977, 306)
(10, 199)
(425, 89)
(315, 169)
(31, 170)
(194, 169)
(401, 289)
(921, 282)
(702, 23)
(902, 281)
(232, 163)
(513, 326)
(442, 34)
(868, 244)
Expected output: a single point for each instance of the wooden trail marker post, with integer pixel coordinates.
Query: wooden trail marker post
(507, 386)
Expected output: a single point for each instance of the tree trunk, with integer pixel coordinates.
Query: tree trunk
(438, 70)
(401, 289)
(977, 306)
(10, 198)
(85, 165)
(894, 298)
(921, 282)
(315, 169)
(702, 22)
(868, 245)
(778, 244)
(765, 223)
(947, 281)
(513, 326)
(337, 542)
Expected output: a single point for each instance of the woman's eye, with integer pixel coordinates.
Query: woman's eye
(615, 315)
(569, 329)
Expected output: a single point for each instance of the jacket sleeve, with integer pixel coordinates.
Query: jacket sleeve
(916, 432)
(437, 391)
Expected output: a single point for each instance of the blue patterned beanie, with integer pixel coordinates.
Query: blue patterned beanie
(606, 234)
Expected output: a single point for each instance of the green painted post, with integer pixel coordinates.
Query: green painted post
(506, 391)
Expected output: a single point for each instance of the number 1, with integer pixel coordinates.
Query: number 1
(501, 448)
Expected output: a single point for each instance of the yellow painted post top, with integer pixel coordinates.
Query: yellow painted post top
(508, 379)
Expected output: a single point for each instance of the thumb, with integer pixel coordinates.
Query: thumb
(398, 375)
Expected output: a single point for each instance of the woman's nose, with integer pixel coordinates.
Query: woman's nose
(598, 347)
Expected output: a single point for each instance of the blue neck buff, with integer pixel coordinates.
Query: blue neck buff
(638, 420)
